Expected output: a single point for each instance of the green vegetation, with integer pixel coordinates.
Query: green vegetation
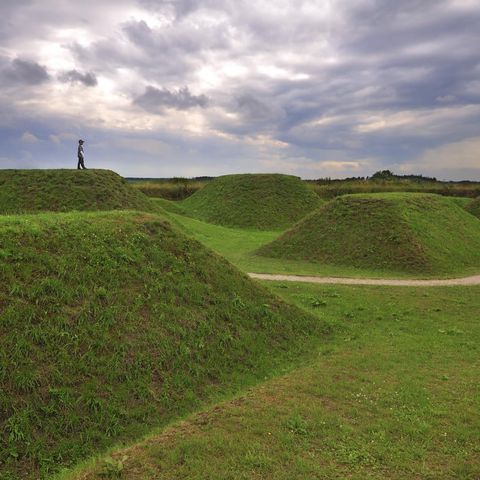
(414, 233)
(23, 191)
(262, 202)
(394, 394)
(328, 188)
(474, 207)
(170, 189)
(113, 323)
(239, 246)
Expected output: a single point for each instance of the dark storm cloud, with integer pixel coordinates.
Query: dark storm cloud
(88, 79)
(155, 100)
(19, 71)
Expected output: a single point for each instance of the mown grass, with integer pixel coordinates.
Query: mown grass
(415, 233)
(393, 394)
(261, 202)
(113, 323)
(28, 191)
(337, 188)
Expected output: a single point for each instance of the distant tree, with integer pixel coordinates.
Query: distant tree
(383, 175)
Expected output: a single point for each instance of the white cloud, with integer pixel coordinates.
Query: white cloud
(28, 137)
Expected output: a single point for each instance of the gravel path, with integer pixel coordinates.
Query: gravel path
(474, 280)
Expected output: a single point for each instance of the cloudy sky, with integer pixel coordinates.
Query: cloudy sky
(316, 88)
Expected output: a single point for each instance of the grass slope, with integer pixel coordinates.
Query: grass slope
(474, 207)
(417, 233)
(392, 395)
(263, 201)
(114, 322)
(24, 191)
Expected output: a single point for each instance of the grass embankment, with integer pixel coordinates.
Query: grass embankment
(262, 202)
(474, 207)
(415, 233)
(394, 394)
(336, 188)
(113, 323)
(170, 189)
(23, 191)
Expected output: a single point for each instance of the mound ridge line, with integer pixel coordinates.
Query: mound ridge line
(472, 280)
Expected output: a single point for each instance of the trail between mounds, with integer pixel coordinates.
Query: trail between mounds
(474, 280)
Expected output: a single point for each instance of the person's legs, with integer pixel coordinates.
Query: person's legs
(80, 163)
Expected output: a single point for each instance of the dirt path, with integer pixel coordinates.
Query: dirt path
(474, 280)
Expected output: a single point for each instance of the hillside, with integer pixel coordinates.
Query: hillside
(263, 201)
(404, 232)
(113, 323)
(24, 191)
(474, 207)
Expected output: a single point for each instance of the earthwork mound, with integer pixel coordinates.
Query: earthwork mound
(112, 323)
(257, 201)
(405, 232)
(24, 191)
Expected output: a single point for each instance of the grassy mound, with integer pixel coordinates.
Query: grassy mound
(263, 201)
(24, 191)
(474, 207)
(405, 232)
(114, 322)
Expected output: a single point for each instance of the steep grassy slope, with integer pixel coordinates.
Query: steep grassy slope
(263, 202)
(474, 207)
(114, 322)
(64, 190)
(418, 233)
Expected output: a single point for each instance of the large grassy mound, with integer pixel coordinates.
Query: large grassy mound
(474, 207)
(64, 190)
(263, 201)
(114, 322)
(418, 233)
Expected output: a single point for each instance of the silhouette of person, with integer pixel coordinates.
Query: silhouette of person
(80, 155)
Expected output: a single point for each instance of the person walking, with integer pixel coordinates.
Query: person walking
(80, 155)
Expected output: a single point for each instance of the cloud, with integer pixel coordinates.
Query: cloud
(74, 76)
(28, 137)
(26, 72)
(156, 100)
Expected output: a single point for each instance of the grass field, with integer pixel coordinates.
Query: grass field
(415, 233)
(393, 394)
(474, 207)
(115, 325)
(240, 246)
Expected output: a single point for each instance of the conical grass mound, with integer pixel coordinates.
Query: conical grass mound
(112, 323)
(474, 207)
(416, 233)
(28, 191)
(263, 201)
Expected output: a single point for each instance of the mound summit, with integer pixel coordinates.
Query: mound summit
(112, 323)
(405, 232)
(28, 191)
(257, 201)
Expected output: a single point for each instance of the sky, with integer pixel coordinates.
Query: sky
(314, 88)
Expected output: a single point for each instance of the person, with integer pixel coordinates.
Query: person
(80, 155)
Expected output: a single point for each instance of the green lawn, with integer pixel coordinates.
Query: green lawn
(239, 246)
(394, 394)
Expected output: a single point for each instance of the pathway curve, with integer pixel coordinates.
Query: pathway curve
(474, 280)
